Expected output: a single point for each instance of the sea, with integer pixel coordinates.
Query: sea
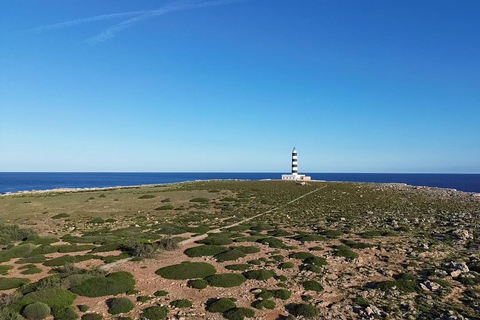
(28, 181)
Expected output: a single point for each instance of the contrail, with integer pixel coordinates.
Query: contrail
(110, 32)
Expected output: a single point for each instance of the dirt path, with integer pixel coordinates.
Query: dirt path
(112, 265)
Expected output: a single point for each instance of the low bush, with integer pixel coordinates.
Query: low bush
(181, 303)
(278, 233)
(97, 220)
(238, 267)
(230, 255)
(67, 313)
(357, 245)
(309, 237)
(9, 314)
(61, 216)
(332, 234)
(92, 316)
(187, 270)
(312, 285)
(165, 207)
(144, 298)
(197, 284)
(219, 239)
(303, 310)
(264, 304)
(20, 251)
(346, 252)
(83, 307)
(146, 196)
(38, 258)
(247, 249)
(316, 261)
(301, 255)
(119, 305)
(67, 259)
(225, 280)
(36, 311)
(282, 294)
(272, 242)
(112, 284)
(286, 265)
(239, 314)
(31, 269)
(4, 269)
(261, 274)
(160, 293)
(220, 305)
(205, 250)
(55, 298)
(154, 313)
(12, 283)
(12, 233)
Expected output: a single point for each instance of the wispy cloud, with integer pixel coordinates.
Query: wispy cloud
(138, 16)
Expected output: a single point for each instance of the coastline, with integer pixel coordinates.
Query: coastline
(73, 190)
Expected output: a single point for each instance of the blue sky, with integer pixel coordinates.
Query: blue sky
(356, 86)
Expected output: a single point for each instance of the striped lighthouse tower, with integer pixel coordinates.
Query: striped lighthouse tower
(294, 162)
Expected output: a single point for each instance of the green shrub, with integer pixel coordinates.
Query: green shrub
(316, 261)
(309, 237)
(312, 285)
(55, 298)
(272, 242)
(92, 316)
(286, 265)
(232, 254)
(146, 196)
(9, 314)
(11, 283)
(74, 248)
(38, 258)
(255, 262)
(67, 259)
(160, 293)
(238, 267)
(332, 234)
(198, 284)
(65, 314)
(144, 298)
(12, 233)
(61, 216)
(282, 294)
(83, 307)
(217, 239)
(220, 305)
(205, 250)
(200, 200)
(239, 314)
(247, 249)
(154, 313)
(278, 233)
(225, 280)
(181, 303)
(346, 252)
(120, 305)
(261, 274)
(20, 251)
(357, 245)
(97, 220)
(303, 310)
(36, 311)
(311, 268)
(112, 284)
(187, 270)
(31, 269)
(301, 255)
(165, 207)
(264, 304)
(317, 248)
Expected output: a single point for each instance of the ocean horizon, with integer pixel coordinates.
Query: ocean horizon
(29, 181)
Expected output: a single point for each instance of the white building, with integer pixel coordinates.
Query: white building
(294, 176)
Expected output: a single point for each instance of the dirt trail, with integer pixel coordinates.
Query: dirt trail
(112, 265)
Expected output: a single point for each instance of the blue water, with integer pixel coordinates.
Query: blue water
(22, 181)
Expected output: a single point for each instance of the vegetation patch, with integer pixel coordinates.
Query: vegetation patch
(238, 267)
(220, 305)
(272, 242)
(316, 261)
(264, 304)
(282, 294)
(4, 269)
(92, 316)
(36, 311)
(261, 274)
(187, 270)
(146, 196)
(165, 207)
(301, 255)
(197, 284)
(345, 251)
(120, 305)
(11, 283)
(154, 313)
(303, 310)
(67, 313)
(231, 254)
(312, 285)
(200, 200)
(205, 250)
(225, 280)
(55, 298)
(286, 265)
(112, 284)
(61, 216)
(219, 239)
(309, 237)
(239, 314)
(181, 303)
(357, 244)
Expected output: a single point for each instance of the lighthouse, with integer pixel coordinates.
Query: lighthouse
(294, 175)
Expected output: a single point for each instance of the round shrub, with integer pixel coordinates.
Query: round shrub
(345, 251)
(120, 305)
(197, 284)
(221, 305)
(301, 255)
(261, 274)
(65, 314)
(282, 294)
(312, 285)
(217, 239)
(265, 304)
(225, 280)
(160, 293)
(154, 313)
(113, 284)
(55, 298)
(83, 307)
(92, 316)
(36, 311)
(181, 303)
(205, 250)
(286, 265)
(187, 270)
(239, 314)
(232, 254)
(303, 310)
(238, 267)
(316, 261)
(9, 314)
